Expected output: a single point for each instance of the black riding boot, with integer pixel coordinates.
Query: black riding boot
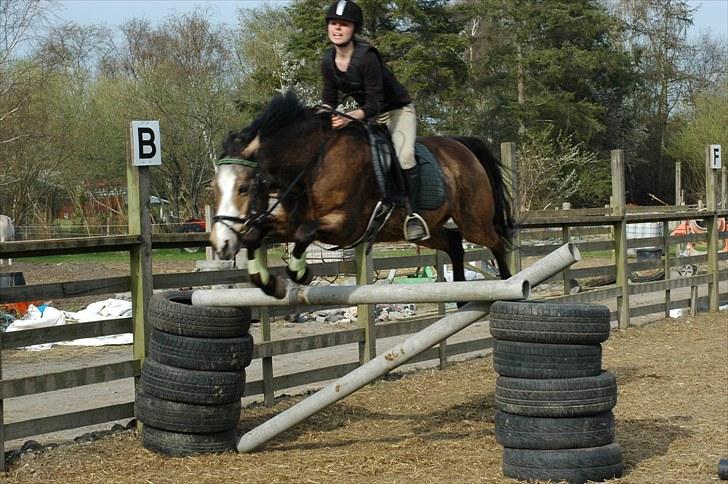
(415, 227)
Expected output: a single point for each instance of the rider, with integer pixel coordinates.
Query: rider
(354, 68)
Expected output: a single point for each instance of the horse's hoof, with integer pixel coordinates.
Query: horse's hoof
(305, 280)
(276, 287)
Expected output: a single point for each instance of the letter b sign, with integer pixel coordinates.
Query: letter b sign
(146, 149)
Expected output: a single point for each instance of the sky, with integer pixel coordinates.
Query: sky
(711, 16)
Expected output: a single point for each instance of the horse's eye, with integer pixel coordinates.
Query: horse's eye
(243, 189)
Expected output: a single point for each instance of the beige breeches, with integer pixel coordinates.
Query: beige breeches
(402, 123)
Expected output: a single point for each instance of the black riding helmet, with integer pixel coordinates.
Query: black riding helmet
(345, 10)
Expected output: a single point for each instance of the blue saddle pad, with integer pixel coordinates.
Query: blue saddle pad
(432, 188)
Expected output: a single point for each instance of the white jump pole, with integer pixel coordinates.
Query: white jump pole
(350, 295)
(396, 356)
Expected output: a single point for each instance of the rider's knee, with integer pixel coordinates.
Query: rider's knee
(407, 158)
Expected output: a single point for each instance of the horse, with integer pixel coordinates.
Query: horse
(327, 192)
(7, 233)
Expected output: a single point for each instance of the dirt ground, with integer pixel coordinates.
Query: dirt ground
(435, 426)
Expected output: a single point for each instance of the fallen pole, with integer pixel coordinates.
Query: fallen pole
(380, 294)
(399, 354)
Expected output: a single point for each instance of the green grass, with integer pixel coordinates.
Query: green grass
(123, 257)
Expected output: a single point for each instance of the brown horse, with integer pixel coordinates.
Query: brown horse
(327, 192)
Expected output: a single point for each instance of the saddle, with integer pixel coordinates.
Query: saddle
(429, 195)
(431, 191)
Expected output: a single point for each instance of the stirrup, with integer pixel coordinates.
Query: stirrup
(416, 219)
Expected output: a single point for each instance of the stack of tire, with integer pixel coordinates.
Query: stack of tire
(188, 398)
(554, 401)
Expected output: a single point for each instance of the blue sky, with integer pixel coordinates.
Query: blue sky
(712, 15)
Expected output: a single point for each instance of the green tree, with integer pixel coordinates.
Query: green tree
(419, 39)
(553, 64)
(182, 74)
(705, 124)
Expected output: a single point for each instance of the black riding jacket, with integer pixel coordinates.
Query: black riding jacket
(368, 80)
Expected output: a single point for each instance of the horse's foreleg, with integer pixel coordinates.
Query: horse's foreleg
(298, 269)
(261, 277)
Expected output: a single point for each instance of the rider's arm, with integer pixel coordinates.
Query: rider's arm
(373, 83)
(329, 93)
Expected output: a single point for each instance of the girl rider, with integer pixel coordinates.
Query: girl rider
(352, 67)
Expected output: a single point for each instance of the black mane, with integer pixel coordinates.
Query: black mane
(280, 113)
(282, 110)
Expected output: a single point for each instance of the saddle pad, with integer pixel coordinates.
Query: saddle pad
(432, 187)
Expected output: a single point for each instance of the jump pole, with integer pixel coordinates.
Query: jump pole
(351, 295)
(550, 265)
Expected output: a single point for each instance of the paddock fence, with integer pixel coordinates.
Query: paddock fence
(600, 235)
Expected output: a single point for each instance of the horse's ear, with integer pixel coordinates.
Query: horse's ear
(249, 151)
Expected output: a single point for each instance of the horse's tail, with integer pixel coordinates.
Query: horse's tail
(504, 221)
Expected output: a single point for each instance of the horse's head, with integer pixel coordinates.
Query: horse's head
(279, 144)
(234, 184)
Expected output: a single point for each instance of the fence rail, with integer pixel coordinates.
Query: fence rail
(593, 230)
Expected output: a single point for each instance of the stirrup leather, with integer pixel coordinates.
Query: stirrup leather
(416, 216)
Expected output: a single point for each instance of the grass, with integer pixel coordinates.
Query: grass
(157, 254)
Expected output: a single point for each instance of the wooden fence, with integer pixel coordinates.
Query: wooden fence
(611, 222)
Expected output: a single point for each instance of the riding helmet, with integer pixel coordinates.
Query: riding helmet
(345, 10)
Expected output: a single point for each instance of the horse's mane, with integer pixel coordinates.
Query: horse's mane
(281, 111)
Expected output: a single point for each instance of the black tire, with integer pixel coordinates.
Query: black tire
(208, 354)
(177, 444)
(565, 397)
(173, 312)
(573, 465)
(191, 386)
(723, 469)
(519, 432)
(536, 360)
(535, 322)
(185, 417)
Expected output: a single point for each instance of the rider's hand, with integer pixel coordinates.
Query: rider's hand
(338, 122)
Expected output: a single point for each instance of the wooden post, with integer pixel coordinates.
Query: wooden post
(678, 183)
(620, 237)
(711, 203)
(138, 201)
(2, 414)
(724, 186)
(266, 362)
(667, 263)
(365, 312)
(566, 275)
(209, 253)
(440, 269)
(508, 158)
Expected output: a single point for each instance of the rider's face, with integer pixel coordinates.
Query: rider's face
(340, 31)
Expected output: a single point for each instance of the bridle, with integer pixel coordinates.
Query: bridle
(252, 217)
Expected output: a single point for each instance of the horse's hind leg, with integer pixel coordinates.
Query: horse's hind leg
(487, 236)
(451, 242)
(499, 252)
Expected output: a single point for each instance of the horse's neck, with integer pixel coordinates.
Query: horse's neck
(294, 155)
